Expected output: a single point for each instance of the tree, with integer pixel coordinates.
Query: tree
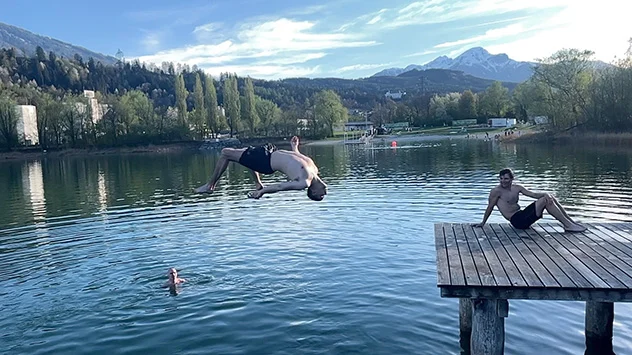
(210, 101)
(467, 105)
(328, 111)
(249, 111)
(568, 74)
(8, 122)
(231, 103)
(198, 104)
(181, 99)
(268, 113)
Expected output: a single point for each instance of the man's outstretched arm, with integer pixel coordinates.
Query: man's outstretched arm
(284, 186)
(493, 198)
(526, 192)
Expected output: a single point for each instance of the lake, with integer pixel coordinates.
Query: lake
(86, 242)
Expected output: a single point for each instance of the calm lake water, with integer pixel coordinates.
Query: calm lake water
(85, 244)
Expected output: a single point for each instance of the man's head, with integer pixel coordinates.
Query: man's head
(506, 177)
(173, 274)
(317, 189)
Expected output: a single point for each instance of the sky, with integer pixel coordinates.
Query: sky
(276, 39)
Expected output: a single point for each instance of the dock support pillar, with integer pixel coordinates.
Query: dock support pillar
(465, 324)
(599, 319)
(488, 326)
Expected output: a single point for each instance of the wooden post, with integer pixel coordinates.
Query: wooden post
(488, 328)
(599, 319)
(465, 324)
(465, 315)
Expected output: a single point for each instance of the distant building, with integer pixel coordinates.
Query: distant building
(396, 126)
(359, 126)
(540, 119)
(464, 123)
(394, 95)
(88, 93)
(27, 125)
(501, 122)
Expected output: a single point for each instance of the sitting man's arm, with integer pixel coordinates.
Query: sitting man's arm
(493, 198)
(526, 192)
(284, 186)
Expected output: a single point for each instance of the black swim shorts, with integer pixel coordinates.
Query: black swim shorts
(258, 158)
(525, 218)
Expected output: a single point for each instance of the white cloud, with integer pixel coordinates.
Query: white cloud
(360, 67)
(274, 44)
(263, 71)
(421, 54)
(441, 11)
(603, 28)
(151, 40)
(208, 32)
(495, 33)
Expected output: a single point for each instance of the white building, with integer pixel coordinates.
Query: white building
(27, 125)
(501, 122)
(394, 95)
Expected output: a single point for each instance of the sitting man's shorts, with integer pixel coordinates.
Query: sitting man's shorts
(258, 158)
(525, 218)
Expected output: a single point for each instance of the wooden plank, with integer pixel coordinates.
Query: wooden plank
(543, 274)
(529, 265)
(570, 258)
(514, 255)
(538, 293)
(578, 279)
(457, 277)
(618, 230)
(467, 261)
(599, 252)
(584, 258)
(622, 243)
(482, 267)
(553, 269)
(443, 268)
(493, 252)
(624, 249)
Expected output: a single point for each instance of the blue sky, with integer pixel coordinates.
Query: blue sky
(345, 38)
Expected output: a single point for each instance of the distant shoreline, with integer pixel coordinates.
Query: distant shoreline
(596, 139)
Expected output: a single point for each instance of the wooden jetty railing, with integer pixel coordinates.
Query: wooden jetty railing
(486, 267)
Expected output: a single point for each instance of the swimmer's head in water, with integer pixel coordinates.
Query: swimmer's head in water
(317, 190)
(173, 274)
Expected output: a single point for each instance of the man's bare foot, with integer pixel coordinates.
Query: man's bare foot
(575, 228)
(206, 188)
(258, 186)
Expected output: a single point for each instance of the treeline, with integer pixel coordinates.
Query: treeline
(147, 108)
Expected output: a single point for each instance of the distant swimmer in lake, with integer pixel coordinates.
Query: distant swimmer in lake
(505, 197)
(173, 279)
(301, 171)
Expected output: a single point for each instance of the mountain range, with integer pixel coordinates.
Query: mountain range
(477, 62)
(26, 42)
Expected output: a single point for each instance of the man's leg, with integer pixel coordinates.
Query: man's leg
(257, 178)
(562, 209)
(227, 155)
(548, 203)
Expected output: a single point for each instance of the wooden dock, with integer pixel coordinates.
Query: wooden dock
(486, 267)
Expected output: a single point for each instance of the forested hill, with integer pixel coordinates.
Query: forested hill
(77, 74)
(26, 43)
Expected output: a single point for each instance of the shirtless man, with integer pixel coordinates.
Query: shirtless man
(505, 196)
(301, 171)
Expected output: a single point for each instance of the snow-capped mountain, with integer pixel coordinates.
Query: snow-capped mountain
(476, 62)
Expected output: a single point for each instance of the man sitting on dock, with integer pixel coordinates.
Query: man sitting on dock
(300, 170)
(505, 197)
